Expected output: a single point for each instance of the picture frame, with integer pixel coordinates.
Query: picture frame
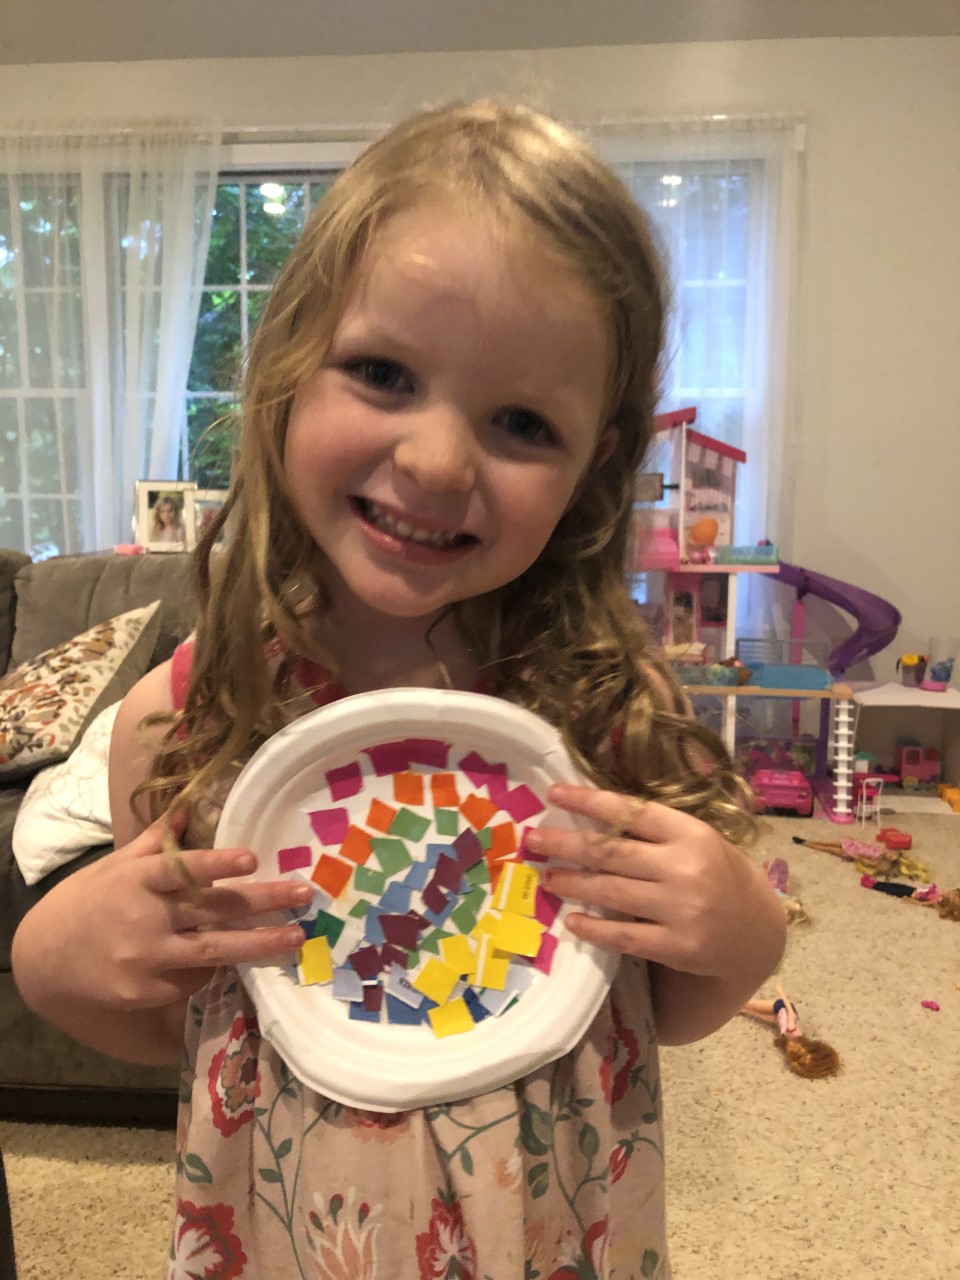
(206, 506)
(164, 517)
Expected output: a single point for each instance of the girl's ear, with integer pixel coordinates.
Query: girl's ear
(605, 445)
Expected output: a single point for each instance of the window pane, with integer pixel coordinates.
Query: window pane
(318, 190)
(48, 529)
(223, 256)
(11, 522)
(9, 355)
(43, 455)
(256, 301)
(712, 326)
(274, 220)
(49, 233)
(9, 449)
(217, 347)
(7, 254)
(212, 434)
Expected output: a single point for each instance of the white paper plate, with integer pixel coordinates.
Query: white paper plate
(380, 1066)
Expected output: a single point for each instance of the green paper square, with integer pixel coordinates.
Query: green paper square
(433, 939)
(447, 822)
(327, 926)
(478, 874)
(367, 880)
(486, 838)
(409, 825)
(392, 855)
(359, 909)
(464, 916)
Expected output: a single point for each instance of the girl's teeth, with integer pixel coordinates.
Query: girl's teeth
(402, 529)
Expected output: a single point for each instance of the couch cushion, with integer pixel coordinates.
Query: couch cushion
(46, 703)
(59, 598)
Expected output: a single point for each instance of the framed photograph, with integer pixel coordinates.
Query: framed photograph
(164, 518)
(206, 507)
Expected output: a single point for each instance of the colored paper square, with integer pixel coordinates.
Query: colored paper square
(294, 858)
(350, 940)
(428, 751)
(315, 964)
(398, 985)
(409, 825)
(548, 949)
(447, 874)
(408, 788)
(327, 926)
(478, 874)
(497, 789)
(452, 1020)
(478, 810)
(345, 782)
(356, 846)
(464, 916)
(347, 984)
(503, 839)
(391, 854)
(330, 826)
(443, 791)
(436, 980)
(459, 954)
(447, 821)
(517, 889)
(373, 997)
(331, 874)
(402, 1015)
(433, 939)
(396, 900)
(388, 757)
(400, 931)
(368, 880)
(434, 899)
(518, 935)
(492, 967)
(417, 876)
(479, 771)
(495, 869)
(441, 917)
(360, 909)
(471, 999)
(548, 907)
(360, 1013)
(366, 962)
(485, 838)
(487, 923)
(391, 955)
(380, 816)
(372, 928)
(521, 803)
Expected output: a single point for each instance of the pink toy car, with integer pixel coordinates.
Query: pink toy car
(782, 789)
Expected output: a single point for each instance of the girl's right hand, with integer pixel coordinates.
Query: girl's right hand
(139, 935)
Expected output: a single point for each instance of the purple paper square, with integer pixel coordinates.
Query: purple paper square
(521, 803)
(345, 782)
(447, 875)
(428, 751)
(468, 848)
(294, 858)
(330, 826)
(366, 961)
(479, 771)
(400, 931)
(389, 757)
(547, 906)
(434, 899)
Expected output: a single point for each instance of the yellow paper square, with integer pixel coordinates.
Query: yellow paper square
(460, 954)
(436, 980)
(517, 889)
(487, 923)
(451, 1019)
(492, 967)
(315, 964)
(519, 935)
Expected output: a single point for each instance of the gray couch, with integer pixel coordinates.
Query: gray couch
(43, 1074)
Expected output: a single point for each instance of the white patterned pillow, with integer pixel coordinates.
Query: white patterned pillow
(66, 809)
(46, 703)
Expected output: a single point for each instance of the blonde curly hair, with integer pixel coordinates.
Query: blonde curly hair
(565, 638)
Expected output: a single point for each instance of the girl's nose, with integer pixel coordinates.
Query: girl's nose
(436, 451)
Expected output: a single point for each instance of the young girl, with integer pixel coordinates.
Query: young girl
(446, 401)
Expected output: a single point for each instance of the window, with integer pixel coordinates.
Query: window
(256, 221)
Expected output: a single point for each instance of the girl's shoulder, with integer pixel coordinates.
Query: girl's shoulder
(131, 749)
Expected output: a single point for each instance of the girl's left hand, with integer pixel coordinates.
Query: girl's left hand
(695, 902)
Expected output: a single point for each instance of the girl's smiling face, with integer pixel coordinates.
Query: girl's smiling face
(459, 405)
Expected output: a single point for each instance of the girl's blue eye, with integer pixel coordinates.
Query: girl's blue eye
(381, 375)
(525, 425)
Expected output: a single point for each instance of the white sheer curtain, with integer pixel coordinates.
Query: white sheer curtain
(724, 193)
(103, 240)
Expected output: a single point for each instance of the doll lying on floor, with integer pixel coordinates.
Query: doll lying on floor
(812, 1059)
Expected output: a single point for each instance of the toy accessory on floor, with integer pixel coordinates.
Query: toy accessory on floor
(812, 1059)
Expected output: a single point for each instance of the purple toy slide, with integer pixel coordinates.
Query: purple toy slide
(877, 620)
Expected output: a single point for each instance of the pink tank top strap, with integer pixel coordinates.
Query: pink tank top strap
(180, 665)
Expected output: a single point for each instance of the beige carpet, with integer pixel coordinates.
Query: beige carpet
(770, 1177)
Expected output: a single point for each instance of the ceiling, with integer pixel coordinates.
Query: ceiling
(132, 30)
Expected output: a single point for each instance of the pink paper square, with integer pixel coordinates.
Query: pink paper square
(548, 949)
(547, 906)
(294, 858)
(330, 825)
(345, 782)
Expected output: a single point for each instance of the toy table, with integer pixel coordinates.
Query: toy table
(943, 733)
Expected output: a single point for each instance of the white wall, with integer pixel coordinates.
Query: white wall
(877, 397)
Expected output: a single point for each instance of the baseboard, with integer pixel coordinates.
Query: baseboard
(126, 1108)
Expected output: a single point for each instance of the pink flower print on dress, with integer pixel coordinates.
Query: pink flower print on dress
(204, 1246)
(234, 1078)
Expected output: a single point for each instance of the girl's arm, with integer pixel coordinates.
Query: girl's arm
(112, 953)
(696, 908)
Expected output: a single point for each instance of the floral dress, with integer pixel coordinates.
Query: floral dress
(557, 1176)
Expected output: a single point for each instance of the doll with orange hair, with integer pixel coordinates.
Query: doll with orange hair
(812, 1059)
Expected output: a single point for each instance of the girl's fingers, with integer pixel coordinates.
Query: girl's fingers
(176, 870)
(210, 948)
(628, 815)
(595, 851)
(221, 905)
(638, 938)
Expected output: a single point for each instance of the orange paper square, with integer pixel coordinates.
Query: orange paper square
(408, 788)
(443, 790)
(503, 839)
(478, 811)
(356, 847)
(380, 816)
(331, 874)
